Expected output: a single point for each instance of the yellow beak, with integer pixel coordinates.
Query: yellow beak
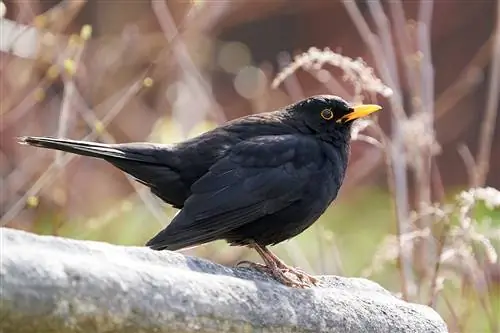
(360, 111)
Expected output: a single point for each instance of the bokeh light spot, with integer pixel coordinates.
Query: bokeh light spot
(250, 82)
(233, 56)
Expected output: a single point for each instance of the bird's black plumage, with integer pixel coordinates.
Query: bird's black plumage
(260, 179)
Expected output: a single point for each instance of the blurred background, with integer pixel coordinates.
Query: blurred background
(163, 71)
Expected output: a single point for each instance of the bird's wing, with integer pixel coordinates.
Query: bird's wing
(256, 178)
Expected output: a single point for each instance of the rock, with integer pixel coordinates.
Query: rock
(52, 284)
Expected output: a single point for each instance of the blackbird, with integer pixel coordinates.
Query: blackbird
(254, 181)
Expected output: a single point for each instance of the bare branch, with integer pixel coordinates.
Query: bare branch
(490, 118)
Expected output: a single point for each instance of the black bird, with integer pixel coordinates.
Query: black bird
(254, 181)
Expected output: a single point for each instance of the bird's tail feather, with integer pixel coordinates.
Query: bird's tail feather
(163, 242)
(172, 239)
(92, 149)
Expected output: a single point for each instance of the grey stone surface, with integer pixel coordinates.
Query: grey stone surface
(51, 284)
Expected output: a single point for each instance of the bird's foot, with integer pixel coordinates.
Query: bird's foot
(306, 278)
(300, 273)
(289, 276)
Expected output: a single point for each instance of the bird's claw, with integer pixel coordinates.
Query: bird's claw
(284, 274)
(300, 273)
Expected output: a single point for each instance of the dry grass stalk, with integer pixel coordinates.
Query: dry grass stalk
(355, 70)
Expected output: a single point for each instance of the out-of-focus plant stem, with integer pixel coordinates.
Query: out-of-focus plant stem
(489, 121)
(398, 161)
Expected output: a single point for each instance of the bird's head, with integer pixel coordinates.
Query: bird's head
(328, 113)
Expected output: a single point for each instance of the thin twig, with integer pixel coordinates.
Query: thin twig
(370, 140)
(401, 32)
(68, 93)
(179, 49)
(470, 164)
(468, 79)
(489, 121)
(453, 313)
(427, 70)
(26, 13)
(437, 266)
(384, 32)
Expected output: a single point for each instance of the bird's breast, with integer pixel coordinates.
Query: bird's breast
(326, 182)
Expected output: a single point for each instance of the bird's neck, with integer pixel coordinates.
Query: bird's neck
(340, 135)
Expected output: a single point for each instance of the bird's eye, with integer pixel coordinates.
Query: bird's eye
(327, 114)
